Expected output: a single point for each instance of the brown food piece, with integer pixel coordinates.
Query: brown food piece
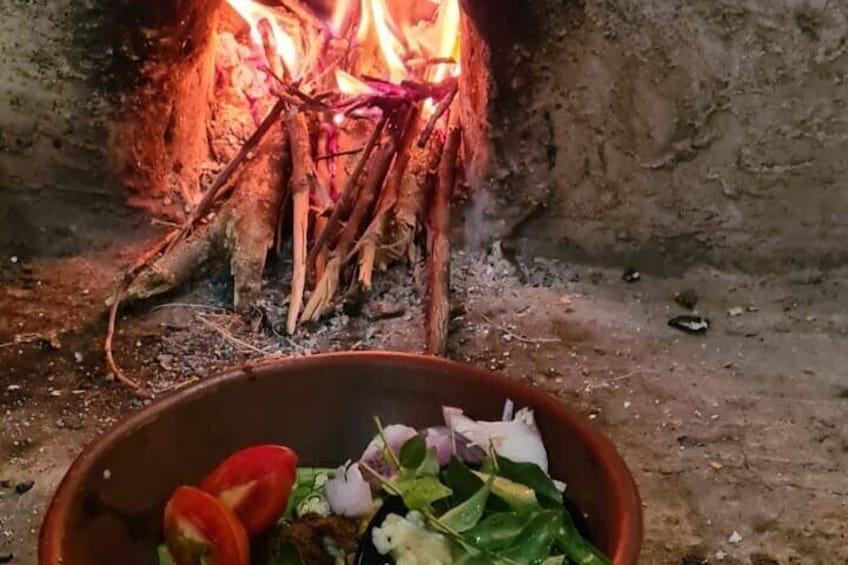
(307, 532)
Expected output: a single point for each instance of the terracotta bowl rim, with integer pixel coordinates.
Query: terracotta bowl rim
(624, 487)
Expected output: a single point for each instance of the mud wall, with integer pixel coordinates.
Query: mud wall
(655, 132)
(670, 132)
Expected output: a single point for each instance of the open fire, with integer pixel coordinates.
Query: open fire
(353, 154)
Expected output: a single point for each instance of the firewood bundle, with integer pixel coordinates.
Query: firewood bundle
(346, 169)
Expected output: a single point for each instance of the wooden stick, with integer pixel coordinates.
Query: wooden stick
(210, 196)
(338, 154)
(441, 108)
(303, 177)
(438, 304)
(114, 303)
(107, 347)
(325, 290)
(367, 245)
(417, 183)
(347, 196)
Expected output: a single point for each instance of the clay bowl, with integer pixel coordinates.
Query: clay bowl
(108, 507)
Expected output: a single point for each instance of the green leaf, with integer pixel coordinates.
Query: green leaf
(430, 465)
(531, 475)
(578, 549)
(286, 554)
(465, 516)
(420, 492)
(461, 480)
(413, 452)
(554, 560)
(496, 531)
(536, 538)
(474, 559)
(518, 497)
(164, 556)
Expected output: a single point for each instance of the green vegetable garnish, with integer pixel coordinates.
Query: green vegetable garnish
(496, 531)
(536, 539)
(520, 498)
(164, 556)
(465, 516)
(531, 475)
(413, 452)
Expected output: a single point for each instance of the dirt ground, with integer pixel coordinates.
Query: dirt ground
(742, 430)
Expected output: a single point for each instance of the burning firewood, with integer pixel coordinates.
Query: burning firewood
(374, 235)
(438, 245)
(363, 141)
(416, 182)
(346, 198)
(304, 179)
(322, 298)
(243, 231)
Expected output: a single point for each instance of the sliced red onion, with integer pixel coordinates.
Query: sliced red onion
(396, 435)
(348, 493)
(518, 439)
(439, 438)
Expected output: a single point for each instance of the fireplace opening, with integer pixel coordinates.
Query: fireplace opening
(335, 135)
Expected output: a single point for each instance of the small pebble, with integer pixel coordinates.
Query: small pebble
(627, 404)
(735, 311)
(78, 357)
(687, 298)
(734, 538)
(12, 388)
(107, 474)
(13, 258)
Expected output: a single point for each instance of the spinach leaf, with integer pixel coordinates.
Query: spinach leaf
(461, 480)
(413, 452)
(465, 516)
(531, 475)
(536, 539)
(578, 549)
(496, 531)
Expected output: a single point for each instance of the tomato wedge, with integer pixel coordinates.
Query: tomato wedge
(256, 484)
(200, 530)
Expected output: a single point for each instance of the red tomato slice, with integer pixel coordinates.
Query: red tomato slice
(200, 530)
(255, 483)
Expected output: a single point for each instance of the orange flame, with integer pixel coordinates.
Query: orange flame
(340, 15)
(390, 46)
(350, 85)
(447, 23)
(253, 14)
